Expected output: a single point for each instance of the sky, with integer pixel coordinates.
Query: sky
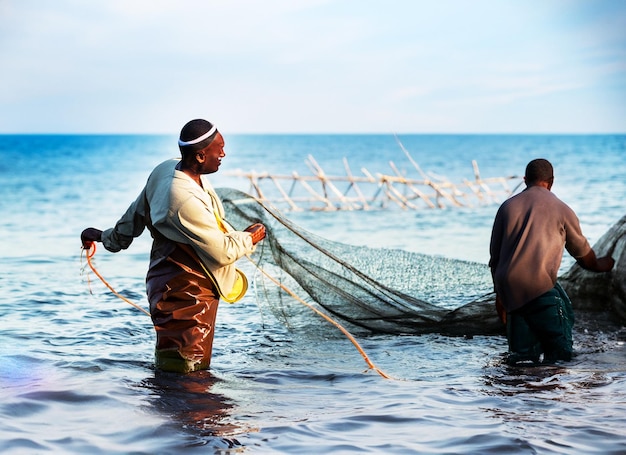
(313, 66)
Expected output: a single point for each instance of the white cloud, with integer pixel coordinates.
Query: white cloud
(281, 66)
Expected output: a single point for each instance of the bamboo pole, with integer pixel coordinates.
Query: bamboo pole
(480, 182)
(354, 185)
(427, 180)
(287, 198)
(322, 176)
(394, 195)
(386, 188)
(419, 193)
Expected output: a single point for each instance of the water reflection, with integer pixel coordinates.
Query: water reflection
(598, 357)
(190, 403)
(548, 407)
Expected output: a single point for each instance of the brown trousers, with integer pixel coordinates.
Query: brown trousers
(184, 316)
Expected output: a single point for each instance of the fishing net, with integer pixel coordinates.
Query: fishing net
(373, 289)
(602, 292)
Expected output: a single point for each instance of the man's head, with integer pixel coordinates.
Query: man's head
(201, 146)
(539, 172)
(196, 135)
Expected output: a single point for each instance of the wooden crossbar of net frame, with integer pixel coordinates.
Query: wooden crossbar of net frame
(323, 192)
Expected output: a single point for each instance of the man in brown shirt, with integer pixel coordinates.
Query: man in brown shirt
(529, 234)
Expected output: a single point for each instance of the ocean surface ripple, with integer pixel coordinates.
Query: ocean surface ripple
(76, 363)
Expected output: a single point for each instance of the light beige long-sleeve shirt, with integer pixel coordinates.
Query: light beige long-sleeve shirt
(177, 209)
(529, 235)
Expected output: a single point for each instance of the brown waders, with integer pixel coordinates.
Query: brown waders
(183, 315)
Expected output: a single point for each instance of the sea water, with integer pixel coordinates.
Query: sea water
(76, 363)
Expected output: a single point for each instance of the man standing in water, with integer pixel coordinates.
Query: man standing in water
(193, 250)
(529, 235)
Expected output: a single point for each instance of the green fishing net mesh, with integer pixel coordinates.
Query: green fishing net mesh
(370, 289)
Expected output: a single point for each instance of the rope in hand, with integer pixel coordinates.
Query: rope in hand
(89, 253)
(327, 318)
(278, 218)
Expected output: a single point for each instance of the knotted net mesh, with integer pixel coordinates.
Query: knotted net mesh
(373, 289)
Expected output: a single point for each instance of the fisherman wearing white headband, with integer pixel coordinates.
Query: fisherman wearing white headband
(194, 250)
(197, 132)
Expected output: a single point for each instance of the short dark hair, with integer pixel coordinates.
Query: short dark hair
(539, 170)
(191, 132)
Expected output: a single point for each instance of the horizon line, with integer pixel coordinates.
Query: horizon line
(346, 133)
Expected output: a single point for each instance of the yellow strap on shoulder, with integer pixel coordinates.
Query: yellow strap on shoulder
(241, 281)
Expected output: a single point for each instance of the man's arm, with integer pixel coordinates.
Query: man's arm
(594, 264)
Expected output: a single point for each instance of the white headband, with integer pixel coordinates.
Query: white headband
(200, 139)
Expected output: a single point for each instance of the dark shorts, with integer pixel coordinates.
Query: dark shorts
(542, 326)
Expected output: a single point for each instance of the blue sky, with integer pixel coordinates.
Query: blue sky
(313, 66)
